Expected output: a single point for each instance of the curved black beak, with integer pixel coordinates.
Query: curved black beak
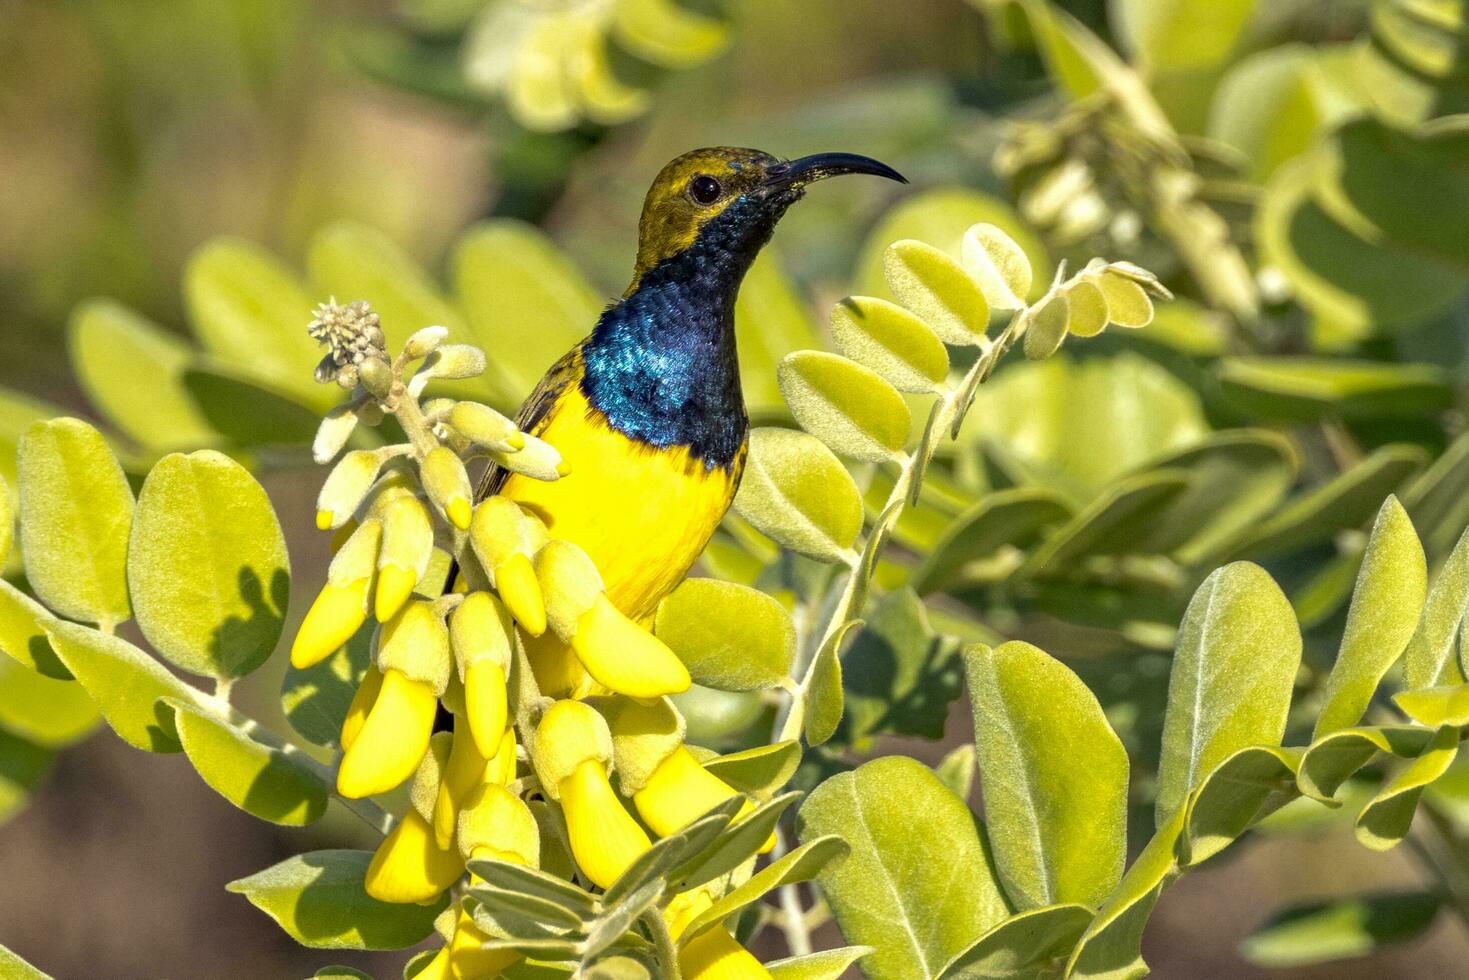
(819, 166)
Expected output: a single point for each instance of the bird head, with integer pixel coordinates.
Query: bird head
(727, 200)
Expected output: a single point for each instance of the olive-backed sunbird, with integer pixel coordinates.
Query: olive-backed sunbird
(647, 411)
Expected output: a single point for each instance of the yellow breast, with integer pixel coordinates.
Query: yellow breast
(643, 514)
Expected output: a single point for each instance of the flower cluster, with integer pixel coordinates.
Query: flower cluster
(553, 692)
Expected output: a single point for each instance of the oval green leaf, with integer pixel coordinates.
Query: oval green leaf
(845, 405)
(936, 289)
(76, 511)
(891, 341)
(1023, 947)
(1339, 929)
(23, 623)
(729, 636)
(207, 565)
(796, 492)
(42, 710)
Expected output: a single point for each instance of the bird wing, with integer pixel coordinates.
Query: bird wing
(535, 412)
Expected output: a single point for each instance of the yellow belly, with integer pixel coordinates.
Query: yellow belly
(643, 515)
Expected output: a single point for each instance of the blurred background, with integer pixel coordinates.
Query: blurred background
(1294, 170)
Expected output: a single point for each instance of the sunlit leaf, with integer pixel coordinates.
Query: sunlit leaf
(1429, 659)
(760, 771)
(1053, 775)
(1238, 651)
(133, 371)
(900, 678)
(796, 492)
(916, 886)
(253, 771)
(1245, 788)
(318, 898)
(729, 636)
(1168, 34)
(891, 341)
(845, 405)
(826, 696)
(1025, 946)
(15, 968)
(207, 565)
(1385, 820)
(23, 632)
(1435, 706)
(47, 712)
(825, 964)
(76, 510)
(800, 864)
(1381, 619)
(998, 264)
(1047, 328)
(932, 285)
(1333, 758)
(972, 546)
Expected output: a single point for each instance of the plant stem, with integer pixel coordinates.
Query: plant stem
(792, 916)
(1445, 861)
(946, 416)
(662, 943)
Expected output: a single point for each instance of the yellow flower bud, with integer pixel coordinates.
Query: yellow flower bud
(415, 643)
(679, 792)
(623, 657)
(557, 671)
(430, 776)
(346, 486)
(496, 825)
(464, 772)
(362, 702)
(422, 343)
(573, 750)
(468, 960)
(393, 738)
(536, 459)
(500, 769)
(438, 968)
(336, 428)
(505, 539)
(484, 426)
(447, 484)
(455, 361)
(409, 866)
(340, 608)
(605, 840)
(713, 954)
(407, 547)
(480, 630)
(570, 583)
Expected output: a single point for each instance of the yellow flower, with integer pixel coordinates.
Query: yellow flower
(506, 539)
(409, 865)
(467, 960)
(679, 792)
(713, 954)
(480, 631)
(618, 653)
(340, 608)
(346, 486)
(362, 702)
(407, 548)
(573, 750)
(463, 774)
(557, 671)
(392, 740)
(496, 825)
(437, 968)
(447, 484)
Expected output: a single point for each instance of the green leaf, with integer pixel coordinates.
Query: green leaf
(23, 632)
(917, 885)
(670, 852)
(1234, 479)
(125, 683)
(956, 771)
(1438, 499)
(939, 218)
(48, 712)
(254, 770)
(250, 312)
(825, 697)
(900, 678)
(1344, 502)
(891, 341)
(345, 972)
(1271, 105)
(845, 405)
(15, 968)
(771, 320)
(760, 771)
(1305, 389)
(1385, 820)
(1048, 325)
(207, 565)
(1435, 706)
(999, 266)
(76, 509)
(1333, 758)
(1111, 947)
(133, 371)
(1092, 421)
(315, 700)
(1429, 660)
(7, 519)
(826, 964)
(800, 864)
(318, 898)
(1026, 946)
(1338, 929)
(1172, 34)
(974, 546)
(799, 494)
(249, 411)
(931, 284)
(1053, 775)
(1111, 524)
(527, 302)
(1241, 791)
(730, 637)
(1381, 619)
(736, 845)
(352, 261)
(1238, 651)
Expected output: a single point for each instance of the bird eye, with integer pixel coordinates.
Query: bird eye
(704, 189)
